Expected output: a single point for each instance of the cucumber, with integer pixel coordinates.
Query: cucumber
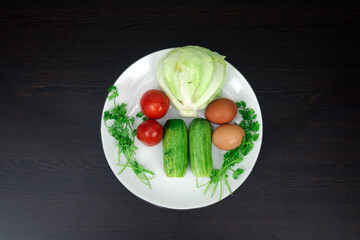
(200, 147)
(175, 148)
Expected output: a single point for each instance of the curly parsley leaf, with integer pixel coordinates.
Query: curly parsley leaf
(237, 173)
(113, 93)
(142, 116)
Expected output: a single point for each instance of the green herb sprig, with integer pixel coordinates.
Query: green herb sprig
(142, 116)
(121, 128)
(235, 156)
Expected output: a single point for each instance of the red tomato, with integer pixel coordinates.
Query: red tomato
(154, 104)
(149, 132)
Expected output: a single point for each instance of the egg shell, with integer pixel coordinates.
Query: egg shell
(221, 111)
(228, 136)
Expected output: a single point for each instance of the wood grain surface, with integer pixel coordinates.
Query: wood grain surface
(59, 57)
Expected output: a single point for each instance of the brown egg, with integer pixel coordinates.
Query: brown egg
(228, 136)
(221, 111)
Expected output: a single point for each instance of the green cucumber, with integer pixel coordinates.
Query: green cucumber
(200, 147)
(175, 148)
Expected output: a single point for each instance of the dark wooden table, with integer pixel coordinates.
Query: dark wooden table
(58, 59)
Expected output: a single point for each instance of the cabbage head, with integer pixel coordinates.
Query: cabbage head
(191, 77)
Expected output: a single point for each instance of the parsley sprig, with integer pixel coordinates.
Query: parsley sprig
(142, 116)
(121, 128)
(235, 156)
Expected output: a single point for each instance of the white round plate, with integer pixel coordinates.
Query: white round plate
(175, 193)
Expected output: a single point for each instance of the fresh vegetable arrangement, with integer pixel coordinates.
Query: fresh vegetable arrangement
(190, 78)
